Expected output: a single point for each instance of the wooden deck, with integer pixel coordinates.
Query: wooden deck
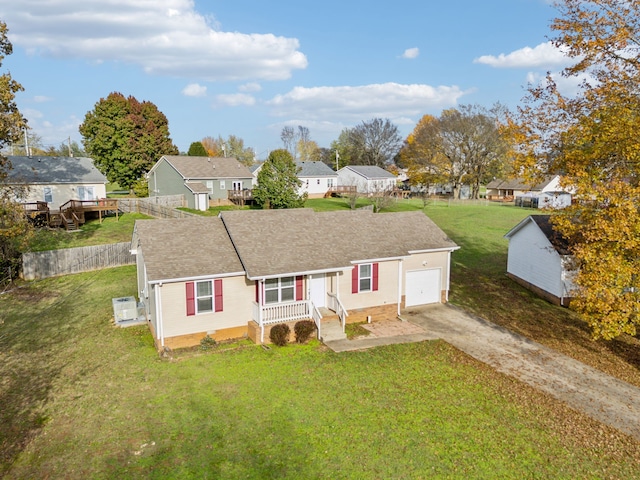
(340, 190)
(241, 197)
(72, 214)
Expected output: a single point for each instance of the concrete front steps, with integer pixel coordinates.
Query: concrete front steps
(331, 330)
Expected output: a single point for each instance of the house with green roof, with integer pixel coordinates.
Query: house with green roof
(238, 274)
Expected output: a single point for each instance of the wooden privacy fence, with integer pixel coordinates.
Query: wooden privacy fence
(159, 207)
(38, 265)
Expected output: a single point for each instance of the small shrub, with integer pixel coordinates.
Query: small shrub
(303, 330)
(279, 334)
(207, 343)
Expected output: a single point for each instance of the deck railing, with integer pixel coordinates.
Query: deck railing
(341, 190)
(245, 194)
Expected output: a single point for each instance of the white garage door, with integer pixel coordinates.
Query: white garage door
(422, 287)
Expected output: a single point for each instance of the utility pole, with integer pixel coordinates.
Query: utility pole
(26, 143)
(69, 144)
(337, 159)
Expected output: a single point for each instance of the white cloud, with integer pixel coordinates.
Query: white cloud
(354, 104)
(250, 87)
(52, 132)
(164, 37)
(411, 53)
(234, 100)
(545, 55)
(567, 86)
(41, 99)
(194, 90)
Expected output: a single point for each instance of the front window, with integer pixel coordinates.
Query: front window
(210, 186)
(223, 186)
(365, 277)
(330, 182)
(278, 290)
(48, 194)
(204, 297)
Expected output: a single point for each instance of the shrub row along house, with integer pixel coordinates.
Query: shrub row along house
(240, 273)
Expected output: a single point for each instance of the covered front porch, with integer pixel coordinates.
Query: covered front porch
(294, 298)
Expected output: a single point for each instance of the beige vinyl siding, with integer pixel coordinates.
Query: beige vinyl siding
(387, 292)
(238, 298)
(62, 193)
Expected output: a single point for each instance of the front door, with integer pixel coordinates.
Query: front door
(318, 295)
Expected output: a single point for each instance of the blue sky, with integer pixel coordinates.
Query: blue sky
(248, 68)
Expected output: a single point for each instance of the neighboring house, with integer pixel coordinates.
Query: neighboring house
(509, 190)
(539, 259)
(255, 169)
(56, 180)
(317, 178)
(368, 179)
(240, 273)
(202, 180)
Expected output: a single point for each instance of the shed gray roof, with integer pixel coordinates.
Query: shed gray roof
(51, 170)
(276, 242)
(196, 187)
(207, 167)
(371, 171)
(185, 248)
(315, 169)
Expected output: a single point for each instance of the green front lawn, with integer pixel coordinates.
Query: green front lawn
(83, 399)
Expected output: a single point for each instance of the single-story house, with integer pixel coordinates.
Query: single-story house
(317, 178)
(56, 180)
(202, 180)
(238, 274)
(546, 193)
(369, 179)
(539, 259)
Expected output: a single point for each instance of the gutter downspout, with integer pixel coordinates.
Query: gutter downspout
(399, 285)
(446, 294)
(159, 314)
(260, 284)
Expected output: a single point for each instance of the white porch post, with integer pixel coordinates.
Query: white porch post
(446, 298)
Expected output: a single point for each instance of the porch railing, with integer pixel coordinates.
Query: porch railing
(281, 312)
(317, 318)
(336, 305)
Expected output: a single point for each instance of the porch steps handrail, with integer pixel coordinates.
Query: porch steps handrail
(339, 309)
(317, 317)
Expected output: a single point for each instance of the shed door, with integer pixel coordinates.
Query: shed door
(422, 287)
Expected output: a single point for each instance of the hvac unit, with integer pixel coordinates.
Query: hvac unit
(124, 308)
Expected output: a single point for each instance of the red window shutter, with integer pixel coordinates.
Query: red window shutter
(375, 277)
(354, 279)
(217, 289)
(299, 287)
(191, 299)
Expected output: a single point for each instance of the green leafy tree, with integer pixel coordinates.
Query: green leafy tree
(125, 137)
(278, 183)
(196, 149)
(15, 230)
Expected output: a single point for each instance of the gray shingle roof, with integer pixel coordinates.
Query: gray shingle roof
(185, 248)
(51, 170)
(275, 242)
(197, 187)
(371, 171)
(315, 169)
(207, 167)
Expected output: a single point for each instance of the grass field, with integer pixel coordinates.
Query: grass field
(83, 399)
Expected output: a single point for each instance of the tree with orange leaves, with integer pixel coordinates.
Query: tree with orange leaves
(591, 138)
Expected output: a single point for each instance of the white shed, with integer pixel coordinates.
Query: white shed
(539, 259)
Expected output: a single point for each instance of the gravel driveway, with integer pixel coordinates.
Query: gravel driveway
(605, 398)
